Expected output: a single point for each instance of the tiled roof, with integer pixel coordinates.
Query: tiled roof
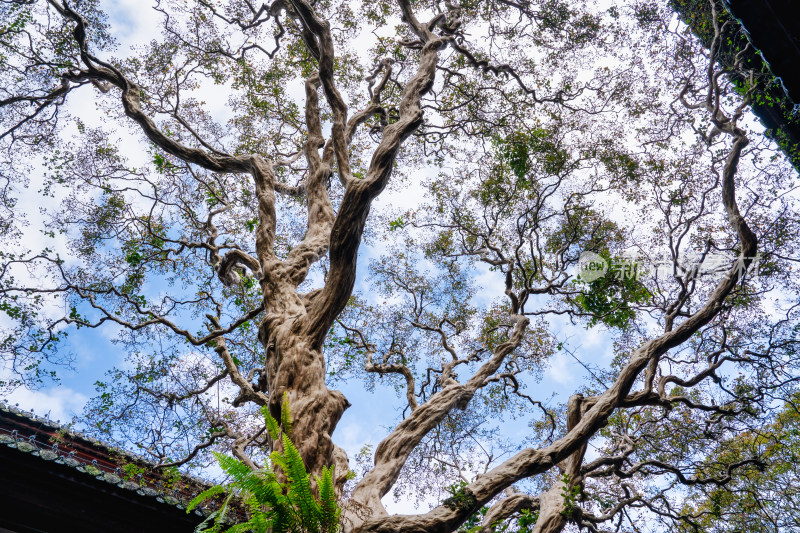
(48, 440)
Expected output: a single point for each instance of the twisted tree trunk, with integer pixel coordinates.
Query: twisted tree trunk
(296, 368)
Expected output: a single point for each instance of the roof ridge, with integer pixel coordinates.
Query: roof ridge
(51, 441)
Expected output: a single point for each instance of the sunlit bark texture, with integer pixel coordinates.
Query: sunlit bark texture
(445, 203)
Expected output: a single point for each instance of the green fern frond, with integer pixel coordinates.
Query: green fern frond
(294, 469)
(201, 527)
(272, 425)
(278, 460)
(286, 414)
(299, 483)
(259, 523)
(203, 496)
(251, 526)
(329, 509)
(219, 517)
(252, 489)
(233, 467)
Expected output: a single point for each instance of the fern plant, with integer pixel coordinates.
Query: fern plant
(274, 507)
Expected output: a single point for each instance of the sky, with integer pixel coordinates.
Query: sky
(132, 22)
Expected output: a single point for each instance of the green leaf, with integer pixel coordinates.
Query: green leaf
(203, 496)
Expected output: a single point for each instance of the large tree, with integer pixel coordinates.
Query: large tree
(511, 137)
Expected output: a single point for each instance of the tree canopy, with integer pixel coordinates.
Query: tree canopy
(513, 168)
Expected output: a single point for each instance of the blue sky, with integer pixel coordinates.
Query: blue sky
(366, 422)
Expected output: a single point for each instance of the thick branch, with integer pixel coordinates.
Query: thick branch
(507, 507)
(349, 225)
(392, 453)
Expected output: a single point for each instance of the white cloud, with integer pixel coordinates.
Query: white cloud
(559, 370)
(59, 403)
(133, 22)
(406, 506)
